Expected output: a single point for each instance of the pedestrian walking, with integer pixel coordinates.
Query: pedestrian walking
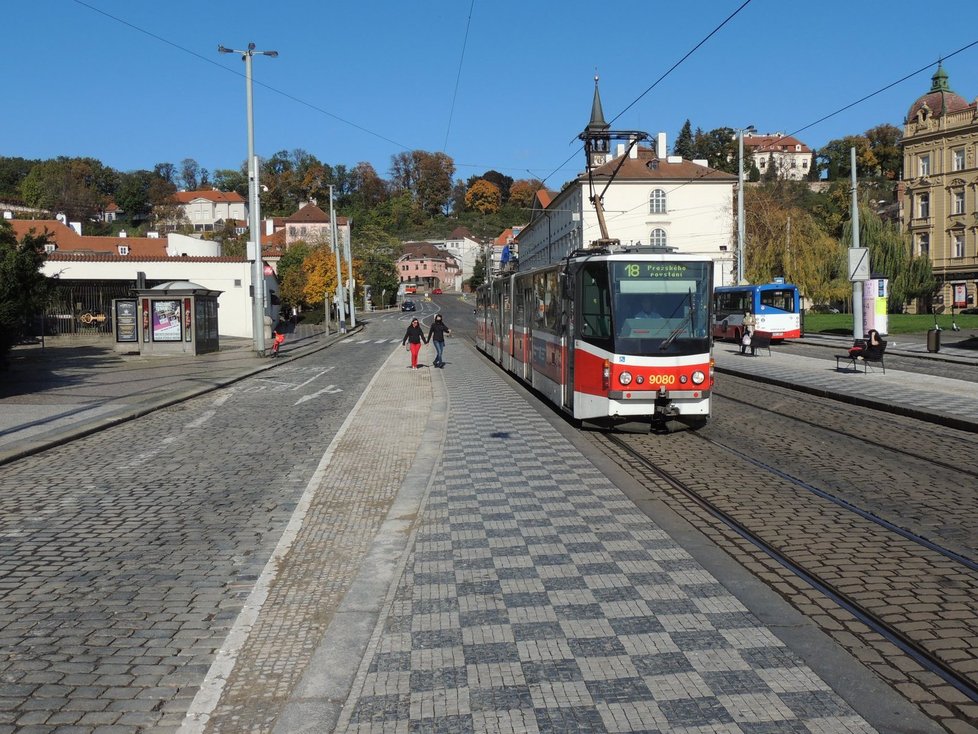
(413, 338)
(278, 337)
(436, 334)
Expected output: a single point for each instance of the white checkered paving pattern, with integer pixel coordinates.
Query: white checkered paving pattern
(537, 598)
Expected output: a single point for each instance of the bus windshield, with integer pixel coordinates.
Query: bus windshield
(661, 306)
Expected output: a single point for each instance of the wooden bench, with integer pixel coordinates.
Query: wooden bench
(866, 356)
(759, 340)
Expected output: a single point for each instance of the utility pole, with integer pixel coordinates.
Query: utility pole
(254, 246)
(340, 298)
(740, 202)
(857, 285)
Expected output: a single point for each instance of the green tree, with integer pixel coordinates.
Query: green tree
(427, 177)
(77, 187)
(12, 172)
(134, 195)
(229, 179)
(784, 239)
(684, 143)
(834, 158)
(378, 251)
(890, 257)
(291, 274)
(23, 287)
(884, 142)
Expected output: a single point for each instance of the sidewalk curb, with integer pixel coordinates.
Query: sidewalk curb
(921, 415)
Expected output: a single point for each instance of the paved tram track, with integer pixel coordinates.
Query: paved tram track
(915, 620)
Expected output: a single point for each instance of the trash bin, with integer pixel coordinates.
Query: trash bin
(933, 340)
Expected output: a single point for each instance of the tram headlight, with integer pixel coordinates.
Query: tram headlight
(639, 379)
(625, 378)
(698, 378)
(683, 379)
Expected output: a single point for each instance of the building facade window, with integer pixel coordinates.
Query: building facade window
(923, 244)
(957, 159)
(923, 165)
(657, 202)
(658, 238)
(959, 245)
(923, 205)
(957, 202)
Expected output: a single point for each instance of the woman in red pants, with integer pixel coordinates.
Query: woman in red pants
(414, 336)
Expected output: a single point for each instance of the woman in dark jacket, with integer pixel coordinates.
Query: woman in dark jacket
(437, 334)
(414, 336)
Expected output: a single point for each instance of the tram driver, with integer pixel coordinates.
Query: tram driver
(646, 310)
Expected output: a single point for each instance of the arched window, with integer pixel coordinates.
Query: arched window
(658, 238)
(657, 202)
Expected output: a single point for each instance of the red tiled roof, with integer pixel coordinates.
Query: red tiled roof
(649, 167)
(68, 240)
(81, 256)
(505, 238)
(424, 249)
(774, 143)
(185, 197)
(309, 213)
(545, 197)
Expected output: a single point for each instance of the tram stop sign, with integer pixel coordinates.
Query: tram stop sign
(858, 263)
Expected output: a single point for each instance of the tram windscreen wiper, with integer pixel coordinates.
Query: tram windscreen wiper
(687, 322)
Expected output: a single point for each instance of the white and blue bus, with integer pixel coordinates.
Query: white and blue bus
(776, 308)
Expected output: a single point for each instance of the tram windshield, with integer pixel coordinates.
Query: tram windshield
(661, 306)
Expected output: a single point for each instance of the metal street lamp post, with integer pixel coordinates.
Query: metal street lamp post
(254, 253)
(740, 201)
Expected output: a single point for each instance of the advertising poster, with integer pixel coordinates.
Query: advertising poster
(960, 295)
(125, 321)
(166, 321)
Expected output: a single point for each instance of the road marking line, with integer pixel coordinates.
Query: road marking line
(329, 389)
(205, 416)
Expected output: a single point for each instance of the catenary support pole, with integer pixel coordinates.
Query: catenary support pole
(857, 285)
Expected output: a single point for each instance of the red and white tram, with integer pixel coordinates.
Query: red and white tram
(608, 336)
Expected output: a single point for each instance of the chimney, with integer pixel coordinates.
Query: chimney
(269, 227)
(633, 153)
(619, 150)
(76, 226)
(122, 233)
(8, 215)
(660, 147)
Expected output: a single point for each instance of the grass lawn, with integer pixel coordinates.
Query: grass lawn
(898, 323)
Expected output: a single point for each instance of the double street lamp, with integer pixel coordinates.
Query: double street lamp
(257, 270)
(740, 201)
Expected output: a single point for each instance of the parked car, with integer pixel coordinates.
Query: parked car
(822, 308)
(436, 292)
(408, 306)
(969, 310)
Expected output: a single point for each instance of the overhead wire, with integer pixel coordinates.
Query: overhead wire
(660, 79)
(458, 76)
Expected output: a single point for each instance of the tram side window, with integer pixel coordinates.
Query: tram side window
(595, 302)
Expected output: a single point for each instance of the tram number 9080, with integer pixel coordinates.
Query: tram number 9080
(661, 379)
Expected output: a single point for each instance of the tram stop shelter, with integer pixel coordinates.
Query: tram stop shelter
(177, 317)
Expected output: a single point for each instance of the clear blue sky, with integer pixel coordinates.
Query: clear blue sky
(137, 82)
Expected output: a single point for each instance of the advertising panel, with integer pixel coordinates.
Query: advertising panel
(874, 305)
(166, 321)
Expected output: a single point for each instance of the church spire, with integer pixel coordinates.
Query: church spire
(597, 123)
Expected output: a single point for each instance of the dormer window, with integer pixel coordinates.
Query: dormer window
(50, 247)
(123, 249)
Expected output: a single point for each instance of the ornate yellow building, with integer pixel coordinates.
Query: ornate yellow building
(940, 180)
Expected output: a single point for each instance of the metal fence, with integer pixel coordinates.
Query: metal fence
(81, 309)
